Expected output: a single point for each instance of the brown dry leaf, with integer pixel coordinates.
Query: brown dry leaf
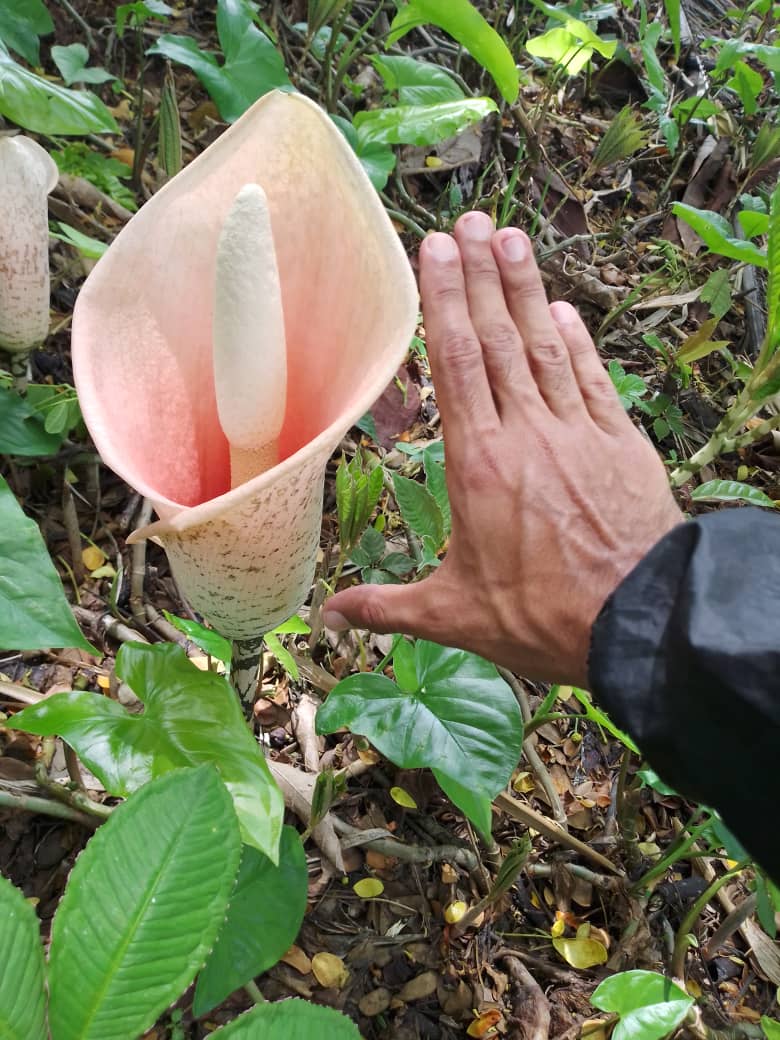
(375, 1002)
(764, 950)
(329, 970)
(297, 959)
(420, 986)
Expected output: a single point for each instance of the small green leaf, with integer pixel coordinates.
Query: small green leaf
(21, 23)
(731, 491)
(650, 1006)
(416, 82)
(252, 66)
(596, 715)
(461, 721)
(283, 656)
(420, 125)
(771, 1027)
(265, 912)
(291, 1019)
(72, 64)
(33, 610)
(718, 235)
(716, 291)
(630, 388)
(39, 105)
(570, 46)
(465, 24)
(22, 994)
(142, 907)
(91, 248)
(22, 430)
(190, 717)
(404, 667)
(419, 509)
(436, 482)
(210, 642)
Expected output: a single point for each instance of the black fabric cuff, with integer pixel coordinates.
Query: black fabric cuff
(685, 656)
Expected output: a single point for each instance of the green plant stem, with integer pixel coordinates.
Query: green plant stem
(723, 440)
(253, 990)
(29, 803)
(77, 800)
(686, 926)
(677, 852)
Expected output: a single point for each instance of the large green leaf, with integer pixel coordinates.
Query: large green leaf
(21, 23)
(266, 910)
(191, 717)
(650, 1005)
(718, 235)
(42, 106)
(33, 610)
(22, 994)
(21, 428)
(142, 907)
(465, 24)
(420, 124)
(292, 1020)
(462, 721)
(252, 64)
(416, 82)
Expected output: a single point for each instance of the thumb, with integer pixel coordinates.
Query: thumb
(410, 609)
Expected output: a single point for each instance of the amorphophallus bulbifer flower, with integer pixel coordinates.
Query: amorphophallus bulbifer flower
(27, 175)
(244, 319)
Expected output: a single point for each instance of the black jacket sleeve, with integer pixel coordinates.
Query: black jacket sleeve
(685, 656)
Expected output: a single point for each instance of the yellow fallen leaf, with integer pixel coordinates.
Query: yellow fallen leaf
(401, 797)
(484, 1023)
(329, 970)
(455, 911)
(92, 557)
(523, 783)
(581, 953)
(104, 682)
(433, 162)
(368, 888)
(558, 927)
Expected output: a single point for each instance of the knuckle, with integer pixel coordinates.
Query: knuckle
(446, 291)
(374, 612)
(548, 352)
(460, 350)
(481, 267)
(501, 338)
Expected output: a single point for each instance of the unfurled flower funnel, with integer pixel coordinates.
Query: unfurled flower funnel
(189, 365)
(27, 175)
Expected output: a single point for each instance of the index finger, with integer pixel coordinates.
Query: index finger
(462, 390)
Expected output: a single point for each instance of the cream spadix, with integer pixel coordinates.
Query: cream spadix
(250, 355)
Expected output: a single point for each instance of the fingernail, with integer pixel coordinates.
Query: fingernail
(335, 621)
(441, 246)
(515, 246)
(563, 313)
(477, 226)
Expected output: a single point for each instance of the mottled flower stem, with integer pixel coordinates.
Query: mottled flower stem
(19, 367)
(245, 664)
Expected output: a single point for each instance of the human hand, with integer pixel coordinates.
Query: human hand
(555, 495)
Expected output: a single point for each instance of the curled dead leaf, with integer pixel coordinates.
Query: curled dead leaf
(329, 970)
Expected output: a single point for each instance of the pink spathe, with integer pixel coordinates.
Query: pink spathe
(142, 353)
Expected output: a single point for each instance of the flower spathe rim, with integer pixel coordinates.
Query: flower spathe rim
(183, 516)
